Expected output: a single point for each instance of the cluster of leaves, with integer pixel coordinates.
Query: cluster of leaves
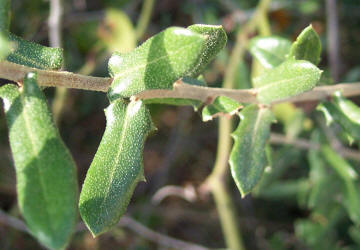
(46, 176)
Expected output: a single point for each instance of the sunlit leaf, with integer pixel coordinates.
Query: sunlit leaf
(269, 51)
(222, 105)
(157, 63)
(307, 46)
(45, 170)
(34, 55)
(247, 158)
(117, 166)
(288, 79)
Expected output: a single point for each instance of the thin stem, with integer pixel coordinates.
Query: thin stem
(144, 18)
(16, 73)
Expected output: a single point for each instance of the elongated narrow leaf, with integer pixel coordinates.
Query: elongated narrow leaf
(157, 63)
(288, 79)
(307, 46)
(222, 105)
(269, 51)
(215, 41)
(348, 175)
(180, 101)
(344, 112)
(4, 14)
(117, 166)
(4, 46)
(34, 55)
(45, 170)
(247, 158)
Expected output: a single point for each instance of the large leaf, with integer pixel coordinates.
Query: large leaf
(222, 105)
(270, 51)
(348, 176)
(247, 158)
(117, 166)
(344, 112)
(307, 46)
(215, 41)
(45, 170)
(288, 79)
(157, 63)
(34, 55)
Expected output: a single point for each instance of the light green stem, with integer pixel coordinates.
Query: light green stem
(144, 18)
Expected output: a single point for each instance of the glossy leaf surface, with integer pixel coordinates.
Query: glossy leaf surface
(215, 41)
(45, 170)
(34, 55)
(157, 63)
(269, 51)
(344, 112)
(117, 166)
(307, 46)
(247, 158)
(220, 106)
(288, 79)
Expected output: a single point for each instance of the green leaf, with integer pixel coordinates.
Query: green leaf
(157, 63)
(215, 41)
(288, 79)
(45, 170)
(117, 33)
(34, 55)
(247, 158)
(4, 14)
(4, 46)
(269, 51)
(117, 166)
(222, 105)
(348, 175)
(344, 112)
(307, 46)
(180, 101)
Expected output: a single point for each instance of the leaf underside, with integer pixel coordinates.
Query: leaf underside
(222, 105)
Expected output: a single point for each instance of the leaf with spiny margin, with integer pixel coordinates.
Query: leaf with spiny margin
(222, 105)
(180, 101)
(157, 63)
(45, 171)
(269, 51)
(307, 46)
(4, 14)
(288, 79)
(117, 166)
(247, 158)
(215, 41)
(344, 112)
(34, 55)
(348, 176)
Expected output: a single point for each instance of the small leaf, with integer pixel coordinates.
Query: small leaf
(269, 51)
(117, 166)
(118, 32)
(215, 41)
(344, 112)
(307, 46)
(220, 106)
(180, 101)
(247, 158)
(288, 79)
(348, 176)
(157, 63)
(45, 170)
(34, 55)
